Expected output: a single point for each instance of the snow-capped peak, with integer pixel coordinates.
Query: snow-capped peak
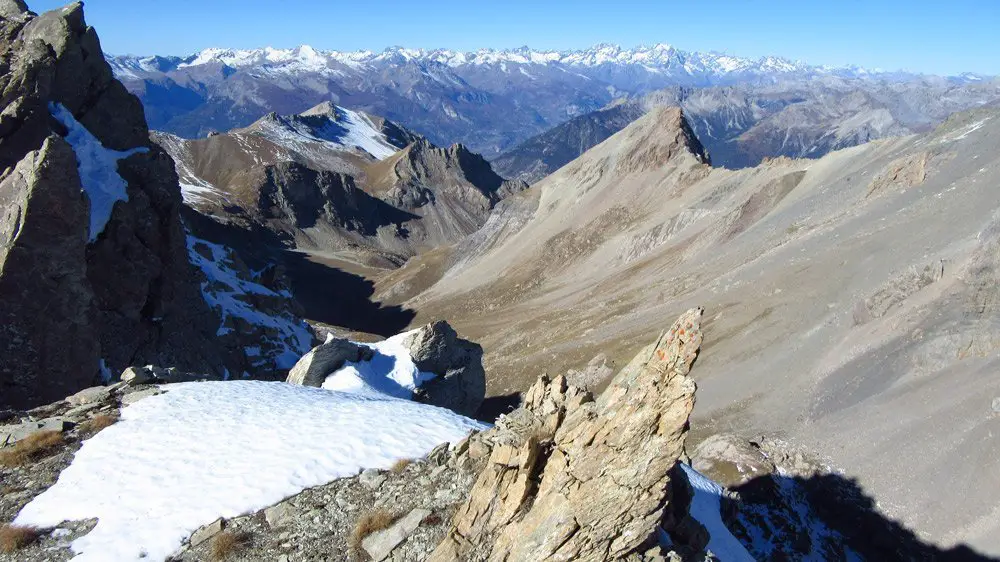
(660, 57)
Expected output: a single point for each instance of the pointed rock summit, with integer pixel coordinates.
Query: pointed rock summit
(661, 136)
(573, 478)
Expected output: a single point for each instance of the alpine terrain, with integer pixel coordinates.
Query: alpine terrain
(639, 305)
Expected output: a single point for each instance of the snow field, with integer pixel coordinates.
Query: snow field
(205, 450)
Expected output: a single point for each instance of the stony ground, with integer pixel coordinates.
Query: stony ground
(20, 482)
(323, 523)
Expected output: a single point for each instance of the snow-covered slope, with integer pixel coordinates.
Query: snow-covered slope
(179, 460)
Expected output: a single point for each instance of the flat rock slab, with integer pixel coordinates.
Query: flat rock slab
(14, 433)
(90, 395)
(207, 532)
(276, 515)
(133, 397)
(380, 544)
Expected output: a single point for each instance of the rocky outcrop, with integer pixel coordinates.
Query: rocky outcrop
(47, 313)
(80, 294)
(461, 381)
(571, 478)
(325, 359)
(97, 271)
(460, 384)
(902, 173)
(303, 197)
(422, 172)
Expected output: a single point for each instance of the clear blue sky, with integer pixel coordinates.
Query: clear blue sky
(934, 36)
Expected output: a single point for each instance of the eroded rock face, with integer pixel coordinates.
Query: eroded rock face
(570, 478)
(72, 298)
(42, 278)
(461, 381)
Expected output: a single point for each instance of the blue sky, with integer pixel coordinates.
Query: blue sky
(934, 36)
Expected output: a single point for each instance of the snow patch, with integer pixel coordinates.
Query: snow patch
(705, 506)
(98, 169)
(193, 194)
(204, 450)
(965, 131)
(342, 130)
(224, 291)
(390, 371)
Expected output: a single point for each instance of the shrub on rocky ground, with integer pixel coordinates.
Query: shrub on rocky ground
(226, 544)
(369, 523)
(399, 466)
(14, 537)
(31, 448)
(97, 423)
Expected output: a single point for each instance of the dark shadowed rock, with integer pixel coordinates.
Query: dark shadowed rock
(461, 381)
(123, 295)
(47, 313)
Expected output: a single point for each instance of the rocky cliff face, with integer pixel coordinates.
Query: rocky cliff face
(84, 293)
(95, 267)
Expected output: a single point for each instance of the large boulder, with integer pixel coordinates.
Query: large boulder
(324, 359)
(460, 384)
(571, 478)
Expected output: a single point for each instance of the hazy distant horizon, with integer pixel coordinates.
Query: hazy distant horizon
(931, 38)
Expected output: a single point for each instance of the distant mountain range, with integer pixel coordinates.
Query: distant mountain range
(700, 68)
(742, 124)
(488, 100)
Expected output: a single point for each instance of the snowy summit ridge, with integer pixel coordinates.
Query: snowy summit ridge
(659, 57)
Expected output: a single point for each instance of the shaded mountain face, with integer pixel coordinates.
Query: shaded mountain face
(539, 156)
(487, 100)
(97, 270)
(743, 124)
(848, 299)
(339, 181)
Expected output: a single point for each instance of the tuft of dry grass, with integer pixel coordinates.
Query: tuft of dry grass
(399, 466)
(369, 523)
(226, 544)
(30, 448)
(14, 537)
(97, 423)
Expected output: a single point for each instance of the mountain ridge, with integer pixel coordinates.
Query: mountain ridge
(656, 55)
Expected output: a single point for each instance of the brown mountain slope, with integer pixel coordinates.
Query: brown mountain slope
(341, 183)
(849, 300)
